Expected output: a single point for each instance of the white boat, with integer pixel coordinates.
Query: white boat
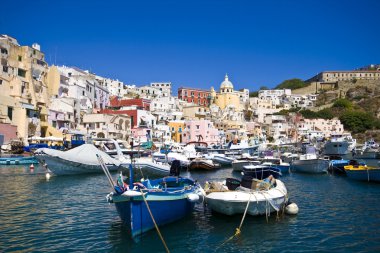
(81, 159)
(261, 200)
(310, 163)
(238, 165)
(222, 159)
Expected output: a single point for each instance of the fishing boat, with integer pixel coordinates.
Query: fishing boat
(363, 173)
(203, 164)
(276, 162)
(337, 166)
(310, 162)
(337, 145)
(221, 159)
(256, 197)
(261, 171)
(238, 165)
(144, 205)
(15, 160)
(78, 160)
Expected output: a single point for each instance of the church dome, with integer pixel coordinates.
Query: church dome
(226, 83)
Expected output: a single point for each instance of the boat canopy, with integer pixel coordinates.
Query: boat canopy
(85, 154)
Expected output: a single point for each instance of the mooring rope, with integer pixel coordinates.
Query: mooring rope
(368, 174)
(238, 230)
(154, 222)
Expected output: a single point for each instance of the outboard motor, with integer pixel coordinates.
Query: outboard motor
(175, 168)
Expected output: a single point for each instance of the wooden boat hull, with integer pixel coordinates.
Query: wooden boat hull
(201, 165)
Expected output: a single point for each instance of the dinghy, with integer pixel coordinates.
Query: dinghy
(232, 197)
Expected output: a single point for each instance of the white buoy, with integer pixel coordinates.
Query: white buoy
(192, 197)
(292, 209)
(47, 175)
(31, 167)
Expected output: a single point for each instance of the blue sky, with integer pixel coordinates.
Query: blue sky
(194, 43)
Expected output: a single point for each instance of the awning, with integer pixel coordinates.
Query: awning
(27, 106)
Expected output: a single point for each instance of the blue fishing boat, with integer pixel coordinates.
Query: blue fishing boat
(143, 206)
(363, 173)
(261, 171)
(15, 160)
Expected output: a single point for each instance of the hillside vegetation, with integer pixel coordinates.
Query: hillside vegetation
(292, 84)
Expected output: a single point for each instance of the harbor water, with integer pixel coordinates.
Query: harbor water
(70, 214)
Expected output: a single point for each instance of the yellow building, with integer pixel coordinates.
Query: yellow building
(227, 95)
(194, 112)
(24, 95)
(176, 129)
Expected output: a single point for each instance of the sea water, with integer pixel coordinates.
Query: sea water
(70, 214)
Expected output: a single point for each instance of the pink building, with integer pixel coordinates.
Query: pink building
(200, 130)
(8, 131)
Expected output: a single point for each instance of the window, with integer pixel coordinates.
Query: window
(19, 58)
(83, 93)
(1, 82)
(197, 126)
(10, 112)
(4, 51)
(21, 72)
(5, 69)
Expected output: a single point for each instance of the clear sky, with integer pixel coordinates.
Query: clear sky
(194, 43)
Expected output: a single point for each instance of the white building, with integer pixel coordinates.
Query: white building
(84, 86)
(149, 92)
(116, 126)
(324, 125)
(275, 96)
(161, 133)
(165, 87)
(65, 113)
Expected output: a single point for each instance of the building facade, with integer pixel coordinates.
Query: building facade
(196, 96)
(200, 130)
(23, 82)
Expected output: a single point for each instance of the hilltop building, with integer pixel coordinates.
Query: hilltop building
(345, 75)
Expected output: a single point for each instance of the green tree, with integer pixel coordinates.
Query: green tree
(342, 103)
(357, 121)
(253, 94)
(308, 114)
(325, 114)
(292, 84)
